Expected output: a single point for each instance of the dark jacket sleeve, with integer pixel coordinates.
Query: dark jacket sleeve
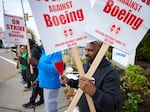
(23, 61)
(36, 52)
(106, 97)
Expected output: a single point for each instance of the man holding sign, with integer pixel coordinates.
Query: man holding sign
(105, 88)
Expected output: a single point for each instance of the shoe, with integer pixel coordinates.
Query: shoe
(23, 82)
(28, 105)
(27, 89)
(39, 103)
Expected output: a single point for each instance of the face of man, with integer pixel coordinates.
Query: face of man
(91, 50)
(23, 49)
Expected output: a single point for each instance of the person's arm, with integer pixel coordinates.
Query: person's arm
(107, 98)
(48, 65)
(106, 94)
(33, 61)
(72, 83)
(23, 61)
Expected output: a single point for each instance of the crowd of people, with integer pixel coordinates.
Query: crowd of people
(46, 79)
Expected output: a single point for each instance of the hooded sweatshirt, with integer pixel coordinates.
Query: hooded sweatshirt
(48, 75)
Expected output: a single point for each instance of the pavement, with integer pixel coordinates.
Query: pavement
(12, 95)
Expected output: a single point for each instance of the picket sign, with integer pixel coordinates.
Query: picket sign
(14, 29)
(81, 72)
(89, 74)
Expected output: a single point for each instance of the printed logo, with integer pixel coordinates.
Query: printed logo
(114, 29)
(68, 32)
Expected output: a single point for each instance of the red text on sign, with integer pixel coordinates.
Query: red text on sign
(132, 4)
(60, 7)
(14, 21)
(123, 15)
(147, 2)
(14, 27)
(68, 17)
(16, 35)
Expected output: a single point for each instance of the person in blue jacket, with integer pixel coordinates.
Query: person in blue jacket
(48, 78)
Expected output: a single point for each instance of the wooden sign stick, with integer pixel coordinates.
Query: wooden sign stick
(28, 45)
(18, 50)
(90, 72)
(28, 48)
(81, 72)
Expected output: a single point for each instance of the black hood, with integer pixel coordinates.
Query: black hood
(31, 42)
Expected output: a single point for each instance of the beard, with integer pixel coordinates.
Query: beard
(89, 59)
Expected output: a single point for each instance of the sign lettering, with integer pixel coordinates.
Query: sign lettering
(68, 17)
(122, 14)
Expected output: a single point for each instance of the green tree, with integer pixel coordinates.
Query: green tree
(143, 50)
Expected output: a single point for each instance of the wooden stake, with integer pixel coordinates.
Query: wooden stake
(89, 74)
(18, 51)
(29, 53)
(81, 72)
(28, 45)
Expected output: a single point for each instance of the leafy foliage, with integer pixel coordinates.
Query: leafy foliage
(143, 50)
(133, 80)
(130, 105)
(122, 90)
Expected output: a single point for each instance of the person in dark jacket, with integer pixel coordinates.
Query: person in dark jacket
(36, 53)
(105, 92)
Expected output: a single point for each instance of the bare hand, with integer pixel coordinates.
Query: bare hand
(32, 61)
(34, 84)
(15, 58)
(86, 85)
(64, 79)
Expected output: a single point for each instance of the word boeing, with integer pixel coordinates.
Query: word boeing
(122, 14)
(63, 19)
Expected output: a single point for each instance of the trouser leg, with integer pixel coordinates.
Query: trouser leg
(28, 84)
(34, 95)
(41, 94)
(50, 100)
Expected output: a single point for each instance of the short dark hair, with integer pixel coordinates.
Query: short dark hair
(97, 42)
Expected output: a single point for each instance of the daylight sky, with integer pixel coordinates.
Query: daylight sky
(14, 7)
